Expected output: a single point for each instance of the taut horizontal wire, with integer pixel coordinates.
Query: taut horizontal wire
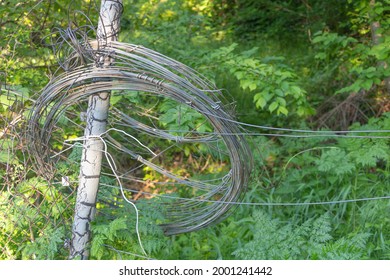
(321, 133)
(253, 203)
(263, 203)
(310, 133)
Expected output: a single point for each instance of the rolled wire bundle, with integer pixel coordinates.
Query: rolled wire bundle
(138, 69)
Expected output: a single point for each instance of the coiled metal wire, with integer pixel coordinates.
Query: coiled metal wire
(138, 69)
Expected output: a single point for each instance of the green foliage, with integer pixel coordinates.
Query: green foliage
(106, 232)
(339, 52)
(285, 20)
(368, 153)
(25, 57)
(275, 86)
(117, 238)
(31, 227)
(312, 240)
(182, 118)
(335, 161)
(48, 246)
(357, 62)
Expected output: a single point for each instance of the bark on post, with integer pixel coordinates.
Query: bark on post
(91, 160)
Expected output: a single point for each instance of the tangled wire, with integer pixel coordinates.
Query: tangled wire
(138, 69)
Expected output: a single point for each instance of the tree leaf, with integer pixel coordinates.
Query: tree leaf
(252, 86)
(260, 101)
(283, 110)
(273, 106)
(367, 84)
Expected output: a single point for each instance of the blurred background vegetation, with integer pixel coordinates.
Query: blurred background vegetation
(305, 64)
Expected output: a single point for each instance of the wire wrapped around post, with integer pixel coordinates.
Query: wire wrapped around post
(136, 68)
